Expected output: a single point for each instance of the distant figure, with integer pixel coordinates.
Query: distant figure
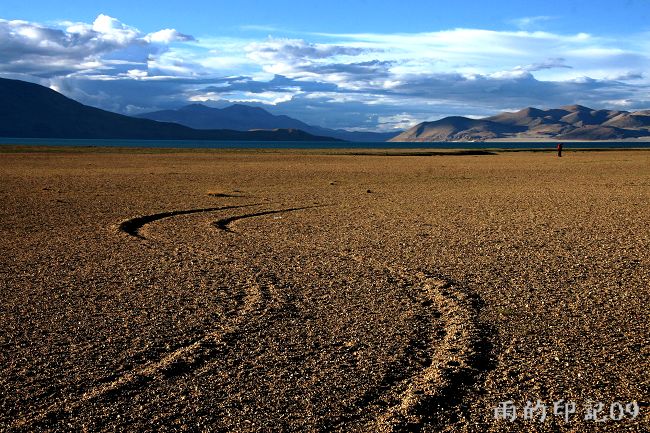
(559, 149)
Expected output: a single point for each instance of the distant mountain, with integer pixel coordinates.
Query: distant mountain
(238, 117)
(457, 128)
(244, 118)
(573, 122)
(637, 120)
(32, 111)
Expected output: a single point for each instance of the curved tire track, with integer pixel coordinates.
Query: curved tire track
(132, 226)
(224, 223)
(454, 357)
(179, 361)
(253, 299)
(456, 360)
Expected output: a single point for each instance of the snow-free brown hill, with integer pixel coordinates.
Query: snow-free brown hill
(572, 122)
(597, 132)
(456, 128)
(634, 120)
(580, 116)
(530, 117)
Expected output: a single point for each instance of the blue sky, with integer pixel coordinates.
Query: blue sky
(369, 65)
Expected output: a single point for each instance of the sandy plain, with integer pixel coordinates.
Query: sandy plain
(241, 291)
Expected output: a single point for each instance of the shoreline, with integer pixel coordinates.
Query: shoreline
(351, 151)
(552, 140)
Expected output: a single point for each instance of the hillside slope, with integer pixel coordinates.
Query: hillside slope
(32, 111)
(573, 122)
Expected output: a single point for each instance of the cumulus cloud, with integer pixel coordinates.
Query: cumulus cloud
(31, 48)
(109, 28)
(330, 63)
(167, 36)
(129, 94)
(373, 81)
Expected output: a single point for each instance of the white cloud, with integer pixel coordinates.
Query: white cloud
(32, 48)
(374, 79)
(551, 63)
(528, 22)
(136, 73)
(167, 36)
(267, 98)
(400, 121)
(112, 29)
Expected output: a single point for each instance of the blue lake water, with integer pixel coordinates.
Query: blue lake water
(202, 144)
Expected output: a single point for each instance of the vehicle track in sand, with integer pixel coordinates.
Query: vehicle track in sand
(181, 360)
(133, 225)
(451, 349)
(451, 357)
(252, 298)
(420, 391)
(224, 223)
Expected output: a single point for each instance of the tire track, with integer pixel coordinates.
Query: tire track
(451, 359)
(224, 223)
(252, 300)
(132, 226)
(454, 356)
(456, 360)
(179, 361)
(427, 378)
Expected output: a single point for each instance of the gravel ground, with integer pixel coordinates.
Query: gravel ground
(296, 291)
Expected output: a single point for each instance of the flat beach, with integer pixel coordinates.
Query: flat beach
(318, 291)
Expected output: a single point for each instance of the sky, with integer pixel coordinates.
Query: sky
(357, 64)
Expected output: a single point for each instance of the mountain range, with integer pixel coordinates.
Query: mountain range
(32, 111)
(244, 118)
(571, 122)
(29, 110)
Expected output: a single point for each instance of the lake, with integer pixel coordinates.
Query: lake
(203, 144)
